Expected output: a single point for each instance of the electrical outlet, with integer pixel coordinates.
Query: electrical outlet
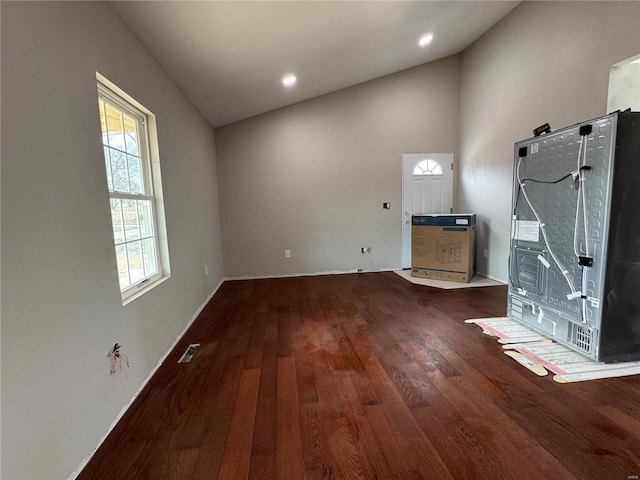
(206, 270)
(287, 254)
(365, 249)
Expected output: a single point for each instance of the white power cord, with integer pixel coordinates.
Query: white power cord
(563, 270)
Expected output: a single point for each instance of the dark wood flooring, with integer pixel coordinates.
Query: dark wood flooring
(364, 376)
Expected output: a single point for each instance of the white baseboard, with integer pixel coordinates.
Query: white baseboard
(292, 275)
(84, 463)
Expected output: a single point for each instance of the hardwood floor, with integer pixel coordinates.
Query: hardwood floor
(364, 376)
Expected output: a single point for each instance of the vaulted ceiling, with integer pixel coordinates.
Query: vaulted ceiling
(229, 57)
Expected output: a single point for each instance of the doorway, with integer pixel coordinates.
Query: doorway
(624, 85)
(426, 188)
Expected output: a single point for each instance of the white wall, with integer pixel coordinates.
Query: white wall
(61, 307)
(544, 62)
(312, 177)
(624, 86)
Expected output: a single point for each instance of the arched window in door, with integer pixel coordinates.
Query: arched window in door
(428, 167)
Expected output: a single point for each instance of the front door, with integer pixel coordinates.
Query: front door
(426, 188)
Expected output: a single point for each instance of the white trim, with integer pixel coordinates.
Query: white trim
(139, 289)
(84, 463)
(335, 272)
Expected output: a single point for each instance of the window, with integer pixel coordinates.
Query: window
(133, 181)
(428, 167)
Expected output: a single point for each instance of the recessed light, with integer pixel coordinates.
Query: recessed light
(425, 40)
(289, 80)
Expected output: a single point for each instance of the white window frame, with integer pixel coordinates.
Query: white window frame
(152, 191)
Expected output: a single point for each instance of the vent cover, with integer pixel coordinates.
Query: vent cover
(188, 355)
(581, 336)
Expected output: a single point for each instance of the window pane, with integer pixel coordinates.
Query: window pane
(116, 219)
(145, 218)
(121, 257)
(119, 171)
(131, 135)
(149, 257)
(130, 219)
(434, 167)
(134, 254)
(135, 174)
(428, 167)
(107, 162)
(127, 165)
(114, 127)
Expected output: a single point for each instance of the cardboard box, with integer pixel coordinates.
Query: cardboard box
(443, 246)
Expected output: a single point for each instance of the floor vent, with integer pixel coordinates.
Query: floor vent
(188, 355)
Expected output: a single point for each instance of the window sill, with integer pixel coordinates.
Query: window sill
(143, 290)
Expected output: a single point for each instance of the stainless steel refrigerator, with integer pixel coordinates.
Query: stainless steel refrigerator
(574, 265)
